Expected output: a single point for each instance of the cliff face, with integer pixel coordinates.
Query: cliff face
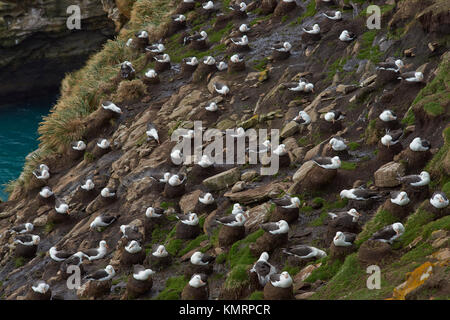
(37, 48)
(346, 78)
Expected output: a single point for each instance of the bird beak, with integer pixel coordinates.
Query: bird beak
(441, 200)
(107, 246)
(68, 212)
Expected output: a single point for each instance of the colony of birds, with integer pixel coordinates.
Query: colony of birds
(343, 227)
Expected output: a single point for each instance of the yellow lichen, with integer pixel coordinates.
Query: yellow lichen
(414, 280)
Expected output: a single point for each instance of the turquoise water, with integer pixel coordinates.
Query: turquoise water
(18, 135)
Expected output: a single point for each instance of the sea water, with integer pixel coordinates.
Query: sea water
(18, 135)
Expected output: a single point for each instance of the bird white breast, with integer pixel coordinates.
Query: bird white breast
(338, 145)
(283, 283)
(400, 202)
(133, 249)
(437, 204)
(416, 145)
(341, 243)
(41, 288)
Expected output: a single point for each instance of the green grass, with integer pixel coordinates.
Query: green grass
(437, 88)
(256, 295)
(354, 146)
(435, 167)
(174, 287)
(320, 220)
(239, 259)
(367, 50)
(292, 270)
(89, 157)
(240, 252)
(193, 244)
(174, 246)
(260, 65)
(309, 12)
(19, 262)
(409, 118)
(49, 227)
(326, 271)
(336, 67)
(345, 165)
(433, 108)
(237, 277)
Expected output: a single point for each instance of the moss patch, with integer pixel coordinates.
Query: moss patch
(173, 289)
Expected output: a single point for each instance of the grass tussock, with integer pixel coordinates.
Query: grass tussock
(129, 91)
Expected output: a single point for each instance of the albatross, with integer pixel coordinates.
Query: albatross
(96, 253)
(152, 132)
(42, 172)
(416, 180)
(419, 144)
(346, 36)
(59, 256)
(391, 137)
(359, 194)
(334, 115)
(279, 227)
(305, 252)
(78, 145)
(206, 199)
(108, 105)
(22, 228)
(344, 239)
(338, 144)
(333, 15)
(27, 239)
(389, 233)
(141, 274)
(388, 115)
(314, 30)
(201, 259)
(282, 280)
(284, 47)
(328, 162)
(221, 88)
(189, 219)
(263, 269)
(103, 220)
(103, 274)
(399, 198)
(302, 118)
(439, 200)
(413, 76)
(237, 220)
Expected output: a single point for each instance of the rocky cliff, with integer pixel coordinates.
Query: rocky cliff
(37, 48)
(268, 89)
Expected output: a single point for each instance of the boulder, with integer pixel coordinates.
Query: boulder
(189, 201)
(311, 177)
(386, 176)
(289, 129)
(222, 180)
(258, 194)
